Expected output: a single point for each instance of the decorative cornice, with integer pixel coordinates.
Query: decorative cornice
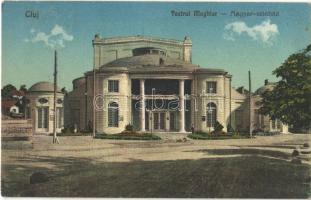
(138, 38)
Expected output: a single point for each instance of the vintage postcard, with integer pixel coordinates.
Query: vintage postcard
(156, 99)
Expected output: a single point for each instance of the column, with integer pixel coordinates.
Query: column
(182, 106)
(142, 111)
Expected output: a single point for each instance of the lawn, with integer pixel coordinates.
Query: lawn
(122, 136)
(206, 136)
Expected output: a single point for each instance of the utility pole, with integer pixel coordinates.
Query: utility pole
(94, 87)
(55, 139)
(230, 125)
(250, 102)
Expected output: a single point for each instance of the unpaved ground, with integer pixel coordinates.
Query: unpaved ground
(82, 166)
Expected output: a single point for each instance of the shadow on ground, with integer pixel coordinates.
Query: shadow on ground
(247, 151)
(228, 177)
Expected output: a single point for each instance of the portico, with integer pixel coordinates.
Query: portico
(161, 110)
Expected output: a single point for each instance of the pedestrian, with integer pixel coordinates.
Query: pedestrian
(192, 129)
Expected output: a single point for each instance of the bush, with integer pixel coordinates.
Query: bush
(218, 127)
(129, 127)
(121, 136)
(206, 136)
(230, 129)
(129, 133)
(66, 130)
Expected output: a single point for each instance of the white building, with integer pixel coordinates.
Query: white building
(41, 107)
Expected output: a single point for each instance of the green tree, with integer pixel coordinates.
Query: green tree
(23, 88)
(6, 91)
(290, 100)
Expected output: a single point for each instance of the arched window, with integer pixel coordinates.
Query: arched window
(211, 114)
(113, 114)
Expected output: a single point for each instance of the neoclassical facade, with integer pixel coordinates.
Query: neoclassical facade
(152, 84)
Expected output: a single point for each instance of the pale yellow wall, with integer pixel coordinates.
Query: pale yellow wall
(220, 99)
(34, 104)
(123, 99)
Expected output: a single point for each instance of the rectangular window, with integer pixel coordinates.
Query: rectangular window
(113, 86)
(43, 114)
(211, 87)
(28, 114)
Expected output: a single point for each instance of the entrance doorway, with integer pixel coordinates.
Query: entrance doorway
(159, 121)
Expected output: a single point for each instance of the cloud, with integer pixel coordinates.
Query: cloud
(265, 32)
(55, 39)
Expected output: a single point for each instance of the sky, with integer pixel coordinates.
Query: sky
(31, 31)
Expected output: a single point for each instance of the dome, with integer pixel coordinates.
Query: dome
(149, 60)
(43, 87)
(267, 87)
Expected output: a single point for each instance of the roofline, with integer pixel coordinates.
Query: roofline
(136, 38)
(184, 70)
(78, 78)
(44, 91)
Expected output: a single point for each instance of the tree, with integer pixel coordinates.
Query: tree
(290, 99)
(23, 88)
(6, 91)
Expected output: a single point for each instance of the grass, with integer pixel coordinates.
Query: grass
(207, 136)
(71, 134)
(131, 136)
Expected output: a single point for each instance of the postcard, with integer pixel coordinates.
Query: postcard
(156, 99)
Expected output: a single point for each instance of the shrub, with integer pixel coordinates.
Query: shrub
(120, 136)
(66, 130)
(306, 145)
(129, 127)
(218, 127)
(230, 129)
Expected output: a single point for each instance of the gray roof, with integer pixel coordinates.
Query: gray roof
(150, 61)
(43, 86)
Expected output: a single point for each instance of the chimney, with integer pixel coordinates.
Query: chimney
(266, 81)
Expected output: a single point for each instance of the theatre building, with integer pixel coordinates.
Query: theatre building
(152, 84)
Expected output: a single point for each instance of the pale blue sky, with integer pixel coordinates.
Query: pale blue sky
(262, 45)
